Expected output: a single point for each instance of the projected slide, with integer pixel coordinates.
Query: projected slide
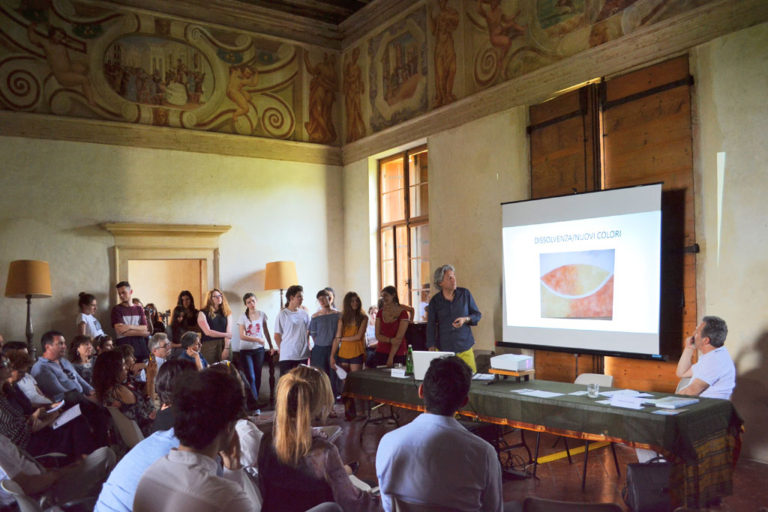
(577, 284)
(582, 272)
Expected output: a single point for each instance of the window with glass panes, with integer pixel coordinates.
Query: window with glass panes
(404, 227)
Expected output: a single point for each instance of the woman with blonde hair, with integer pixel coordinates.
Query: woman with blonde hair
(215, 322)
(299, 468)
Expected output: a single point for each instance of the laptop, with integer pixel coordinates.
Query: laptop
(421, 360)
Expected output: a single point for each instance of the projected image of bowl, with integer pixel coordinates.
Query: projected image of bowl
(577, 284)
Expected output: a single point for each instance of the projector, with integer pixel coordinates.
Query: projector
(512, 362)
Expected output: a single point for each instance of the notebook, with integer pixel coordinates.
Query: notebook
(421, 360)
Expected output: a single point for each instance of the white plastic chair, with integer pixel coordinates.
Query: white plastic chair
(26, 503)
(128, 429)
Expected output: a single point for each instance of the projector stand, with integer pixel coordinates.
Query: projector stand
(521, 376)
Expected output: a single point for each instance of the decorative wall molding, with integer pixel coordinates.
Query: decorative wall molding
(644, 46)
(40, 126)
(136, 241)
(371, 17)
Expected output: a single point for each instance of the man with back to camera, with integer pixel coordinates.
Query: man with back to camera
(206, 406)
(450, 313)
(129, 322)
(434, 460)
(714, 375)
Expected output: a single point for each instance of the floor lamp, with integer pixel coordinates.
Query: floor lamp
(28, 279)
(279, 275)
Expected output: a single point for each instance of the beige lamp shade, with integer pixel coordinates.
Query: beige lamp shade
(28, 278)
(280, 275)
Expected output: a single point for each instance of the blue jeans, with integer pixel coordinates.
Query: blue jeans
(252, 360)
(320, 357)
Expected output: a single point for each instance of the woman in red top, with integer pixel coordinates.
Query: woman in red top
(391, 324)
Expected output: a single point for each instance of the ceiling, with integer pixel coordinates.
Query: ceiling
(326, 11)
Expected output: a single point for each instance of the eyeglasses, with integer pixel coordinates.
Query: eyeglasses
(217, 296)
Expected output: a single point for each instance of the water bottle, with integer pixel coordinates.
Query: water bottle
(409, 361)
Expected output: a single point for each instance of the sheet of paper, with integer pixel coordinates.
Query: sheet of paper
(482, 376)
(622, 392)
(578, 393)
(603, 402)
(668, 412)
(341, 373)
(537, 393)
(67, 416)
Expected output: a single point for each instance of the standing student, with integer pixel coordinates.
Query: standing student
(391, 324)
(130, 322)
(215, 322)
(87, 323)
(349, 344)
(322, 328)
(292, 331)
(254, 341)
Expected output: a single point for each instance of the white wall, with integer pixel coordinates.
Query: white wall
(732, 218)
(56, 194)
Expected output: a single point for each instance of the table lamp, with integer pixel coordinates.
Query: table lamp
(280, 275)
(28, 279)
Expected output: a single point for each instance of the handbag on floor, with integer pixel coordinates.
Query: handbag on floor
(647, 488)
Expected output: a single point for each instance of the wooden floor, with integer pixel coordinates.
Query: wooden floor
(557, 479)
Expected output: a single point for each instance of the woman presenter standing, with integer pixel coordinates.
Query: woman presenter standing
(215, 322)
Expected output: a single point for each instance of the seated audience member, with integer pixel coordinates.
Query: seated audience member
(714, 375)
(191, 344)
(80, 480)
(21, 362)
(164, 387)
(30, 428)
(12, 346)
(103, 344)
(81, 356)
(206, 405)
(136, 373)
(87, 324)
(120, 488)
(247, 431)
(110, 373)
(299, 469)
(159, 350)
(434, 460)
(55, 375)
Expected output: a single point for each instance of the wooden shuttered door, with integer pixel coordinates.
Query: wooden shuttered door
(638, 131)
(565, 159)
(646, 139)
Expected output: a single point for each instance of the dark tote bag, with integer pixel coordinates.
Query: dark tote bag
(647, 488)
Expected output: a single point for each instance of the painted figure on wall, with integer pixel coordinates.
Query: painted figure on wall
(502, 29)
(443, 25)
(322, 94)
(69, 73)
(241, 77)
(353, 91)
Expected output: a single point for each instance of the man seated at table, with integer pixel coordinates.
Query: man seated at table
(714, 375)
(434, 460)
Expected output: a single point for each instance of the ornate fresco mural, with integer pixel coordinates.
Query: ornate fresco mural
(398, 71)
(75, 59)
